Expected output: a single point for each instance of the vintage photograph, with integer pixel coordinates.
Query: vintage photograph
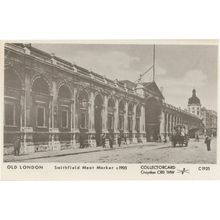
(110, 103)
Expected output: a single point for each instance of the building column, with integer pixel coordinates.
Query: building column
(105, 115)
(116, 121)
(171, 124)
(54, 143)
(142, 125)
(166, 126)
(27, 145)
(162, 126)
(134, 132)
(170, 120)
(126, 122)
(105, 119)
(91, 133)
(73, 122)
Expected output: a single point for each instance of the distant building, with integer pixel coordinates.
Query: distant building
(209, 119)
(194, 105)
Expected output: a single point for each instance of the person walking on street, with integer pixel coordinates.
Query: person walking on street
(103, 140)
(81, 140)
(125, 139)
(197, 137)
(119, 140)
(111, 140)
(17, 145)
(208, 142)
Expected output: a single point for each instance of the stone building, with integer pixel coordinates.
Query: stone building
(53, 104)
(209, 119)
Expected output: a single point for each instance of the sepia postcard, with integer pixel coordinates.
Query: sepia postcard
(109, 110)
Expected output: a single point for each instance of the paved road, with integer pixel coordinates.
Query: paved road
(196, 152)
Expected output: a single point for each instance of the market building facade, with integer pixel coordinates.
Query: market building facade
(53, 104)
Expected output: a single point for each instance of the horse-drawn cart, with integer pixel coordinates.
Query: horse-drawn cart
(179, 136)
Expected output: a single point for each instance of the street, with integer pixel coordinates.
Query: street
(195, 153)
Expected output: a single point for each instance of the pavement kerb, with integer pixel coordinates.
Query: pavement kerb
(49, 154)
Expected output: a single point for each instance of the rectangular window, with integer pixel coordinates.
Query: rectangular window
(137, 125)
(110, 122)
(83, 120)
(9, 114)
(40, 117)
(64, 119)
(121, 122)
(129, 123)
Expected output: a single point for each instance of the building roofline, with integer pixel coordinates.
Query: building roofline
(178, 109)
(97, 78)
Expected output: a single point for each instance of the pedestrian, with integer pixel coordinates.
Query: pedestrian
(159, 138)
(208, 142)
(111, 141)
(197, 137)
(125, 139)
(119, 140)
(165, 139)
(103, 140)
(81, 140)
(17, 145)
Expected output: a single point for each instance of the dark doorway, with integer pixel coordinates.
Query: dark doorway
(153, 112)
(98, 119)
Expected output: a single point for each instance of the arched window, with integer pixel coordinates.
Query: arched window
(83, 109)
(64, 92)
(40, 86)
(121, 115)
(12, 104)
(64, 96)
(111, 106)
(12, 80)
(40, 90)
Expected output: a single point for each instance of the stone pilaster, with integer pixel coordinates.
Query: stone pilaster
(72, 124)
(168, 122)
(105, 115)
(162, 126)
(142, 125)
(54, 143)
(166, 126)
(105, 119)
(134, 132)
(91, 138)
(75, 121)
(116, 121)
(27, 145)
(126, 121)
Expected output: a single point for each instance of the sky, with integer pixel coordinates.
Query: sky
(178, 68)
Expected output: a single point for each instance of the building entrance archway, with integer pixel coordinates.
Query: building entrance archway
(153, 112)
